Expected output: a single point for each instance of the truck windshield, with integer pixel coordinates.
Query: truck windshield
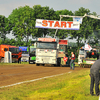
(47, 45)
(81, 51)
(32, 50)
(14, 50)
(24, 52)
(63, 48)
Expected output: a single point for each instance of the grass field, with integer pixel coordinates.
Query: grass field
(70, 86)
(13, 63)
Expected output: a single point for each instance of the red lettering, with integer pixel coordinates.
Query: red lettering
(63, 24)
(44, 23)
(51, 23)
(69, 24)
(57, 24)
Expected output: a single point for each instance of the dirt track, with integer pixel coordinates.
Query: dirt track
(10, 74)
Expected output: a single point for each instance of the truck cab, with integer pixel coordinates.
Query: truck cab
(16, 53)
(63, 53)
(82, 55)
(46, 51)
(25, 54)
(32, 54)
(49, 51)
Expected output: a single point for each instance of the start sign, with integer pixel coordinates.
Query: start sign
(69, 25)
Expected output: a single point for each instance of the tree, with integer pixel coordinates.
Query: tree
(94, 39)
(86, 28)
(43, 13)
(22, 20)
(5, 26)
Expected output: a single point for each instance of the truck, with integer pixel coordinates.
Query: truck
(32, 53)
(63, 57)
(48, 52)
(16, 53)
(86, 58)
(25, 54)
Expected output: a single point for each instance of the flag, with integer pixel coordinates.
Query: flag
(88, 47)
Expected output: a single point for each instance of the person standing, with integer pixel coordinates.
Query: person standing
(61, 49)
(94, 74)
(72, 60)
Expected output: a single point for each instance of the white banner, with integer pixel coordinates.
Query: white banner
(78, 19)
(68, 25)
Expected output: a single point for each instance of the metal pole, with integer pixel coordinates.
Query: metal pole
(57, 29)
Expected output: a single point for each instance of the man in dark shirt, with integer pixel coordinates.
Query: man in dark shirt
(94, 74)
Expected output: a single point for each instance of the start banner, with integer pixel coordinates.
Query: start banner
(68, 25)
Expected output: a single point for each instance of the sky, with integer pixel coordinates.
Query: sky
(7, 6)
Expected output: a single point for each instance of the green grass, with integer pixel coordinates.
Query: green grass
(70, 86)
(13, 63)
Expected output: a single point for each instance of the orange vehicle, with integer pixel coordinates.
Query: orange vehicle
(16, 53)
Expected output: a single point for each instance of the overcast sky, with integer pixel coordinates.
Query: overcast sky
(7, 6)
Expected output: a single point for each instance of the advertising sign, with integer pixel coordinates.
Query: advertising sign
(78, 19)
(47, 39)
(63, 42)
(65, 59)
(68, 25)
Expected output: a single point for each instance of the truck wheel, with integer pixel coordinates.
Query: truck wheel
(29, 60)
(58, 63)
(37, 64)
(33, 62)
(54, 64)
(2, 60)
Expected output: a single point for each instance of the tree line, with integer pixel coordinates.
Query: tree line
(21, 23)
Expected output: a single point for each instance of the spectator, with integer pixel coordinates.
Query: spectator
(72, 60)
(94, 74)
(61, 49)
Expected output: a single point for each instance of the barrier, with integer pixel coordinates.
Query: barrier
(8, 57)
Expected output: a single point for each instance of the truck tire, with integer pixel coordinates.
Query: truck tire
(2, 60)
(58, 61)
(37, 64)
(29, 60)
(54, 65)
(33, 62)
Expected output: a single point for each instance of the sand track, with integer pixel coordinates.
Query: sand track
(11, 74)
